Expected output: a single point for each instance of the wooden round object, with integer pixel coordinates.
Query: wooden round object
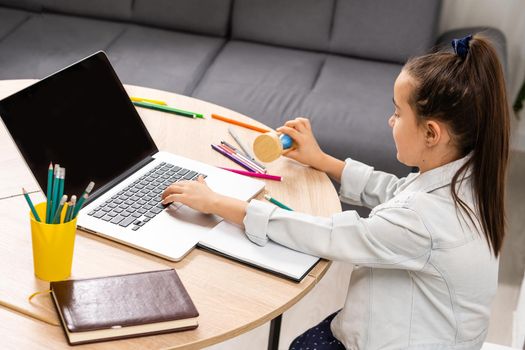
(267, 147)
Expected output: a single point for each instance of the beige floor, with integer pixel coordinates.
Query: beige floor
(325, 297)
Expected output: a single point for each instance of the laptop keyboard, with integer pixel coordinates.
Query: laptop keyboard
(140, 201)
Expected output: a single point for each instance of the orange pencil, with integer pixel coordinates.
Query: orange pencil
(236, 122)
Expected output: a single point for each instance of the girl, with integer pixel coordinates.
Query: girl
(426, 257)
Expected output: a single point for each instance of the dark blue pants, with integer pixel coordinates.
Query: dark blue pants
(319, 337)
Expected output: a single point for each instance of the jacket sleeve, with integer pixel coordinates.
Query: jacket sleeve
(394, 237)
(364, 186)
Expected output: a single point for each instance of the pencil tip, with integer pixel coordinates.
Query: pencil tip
(24, 190)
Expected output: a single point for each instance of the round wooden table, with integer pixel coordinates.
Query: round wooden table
(231, 298)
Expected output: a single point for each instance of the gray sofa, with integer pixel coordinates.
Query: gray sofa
(334, 61)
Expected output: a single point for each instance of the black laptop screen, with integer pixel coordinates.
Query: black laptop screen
(81, 118)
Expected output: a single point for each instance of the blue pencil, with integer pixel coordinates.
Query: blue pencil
(31, 206)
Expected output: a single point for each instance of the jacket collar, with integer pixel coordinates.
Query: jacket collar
(435, 178)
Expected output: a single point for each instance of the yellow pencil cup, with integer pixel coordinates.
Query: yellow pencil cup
(53, 246)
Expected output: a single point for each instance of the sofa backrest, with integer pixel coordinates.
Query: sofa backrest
(31, 5)
(387, 30)
(113, 9)
(209, 17)
(384, 29)
(303, 24)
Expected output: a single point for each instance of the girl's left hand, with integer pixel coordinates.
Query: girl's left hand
(195, 194)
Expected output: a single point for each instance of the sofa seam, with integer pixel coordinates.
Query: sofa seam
(332, 24)
(118, 36)
(15, 28)
(196, 82)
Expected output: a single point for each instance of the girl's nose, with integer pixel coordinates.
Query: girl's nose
(391, 121)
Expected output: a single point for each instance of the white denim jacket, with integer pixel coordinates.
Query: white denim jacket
(424, 276)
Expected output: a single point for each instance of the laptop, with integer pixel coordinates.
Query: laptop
(82, 118)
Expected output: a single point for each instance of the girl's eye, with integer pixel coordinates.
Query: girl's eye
(396, 115)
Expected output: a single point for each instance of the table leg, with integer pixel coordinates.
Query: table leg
(275, 332)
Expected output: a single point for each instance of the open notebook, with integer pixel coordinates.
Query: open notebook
(231, 241)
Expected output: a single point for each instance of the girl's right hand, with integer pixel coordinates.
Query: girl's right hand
(307, 150)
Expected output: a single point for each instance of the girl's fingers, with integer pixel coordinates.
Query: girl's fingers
(296, 124)
(172, 189)
(293, 133)
(178, 197)
(305, 122)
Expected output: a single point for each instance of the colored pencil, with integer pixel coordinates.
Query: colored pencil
(259, 175)
(61, 179)
(56, 218)
(241, 144)
(49, 191)
(83, 198)
(54, 194)
(31, 206)
(241, 158)
(141, 99)
(71, 208)
(239, 123)
(277, 203)
(233, 150)
(231, 157)
(168, 109)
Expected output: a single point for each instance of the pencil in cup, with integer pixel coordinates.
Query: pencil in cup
(49, 191)
(31, 206)
(83, 199)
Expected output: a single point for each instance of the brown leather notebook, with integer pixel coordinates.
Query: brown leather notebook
(123, 306)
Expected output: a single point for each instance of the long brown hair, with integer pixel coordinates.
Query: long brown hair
(467, 93)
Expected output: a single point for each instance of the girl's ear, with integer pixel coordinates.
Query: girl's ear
(433, 133)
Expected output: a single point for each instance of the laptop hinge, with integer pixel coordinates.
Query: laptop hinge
(94, 195)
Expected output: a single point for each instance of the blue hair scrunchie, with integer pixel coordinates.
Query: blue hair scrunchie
(461, 46)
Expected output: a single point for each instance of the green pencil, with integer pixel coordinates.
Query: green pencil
(54, 194)
(71, 208)
(82, 199)
(49, 191)
(167, 109)
(31, 206)
(61, 179)
(277, 203)
(56, 218)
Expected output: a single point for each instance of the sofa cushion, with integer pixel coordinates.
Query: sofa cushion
(293, 23)
(349, 108)
(384, 29)
(114, 9)
(263, 82)
(195, 16)
(10, 19)
(48, 43)
(162, 59)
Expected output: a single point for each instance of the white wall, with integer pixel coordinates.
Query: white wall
(509, 17)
